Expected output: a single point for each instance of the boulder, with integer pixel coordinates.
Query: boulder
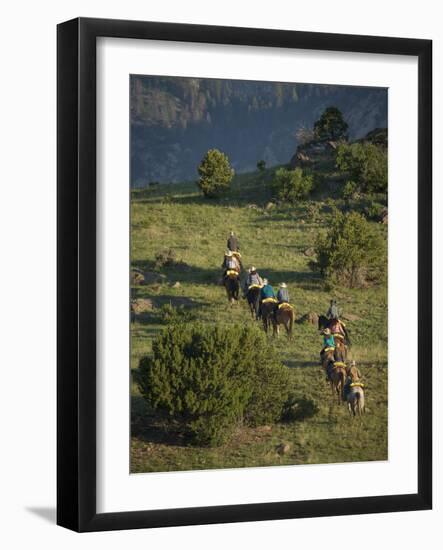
(309, 252)
(141, 305)
(384, 216)
(311, 318)
(137, 277)
(176, 285)
(270, 206)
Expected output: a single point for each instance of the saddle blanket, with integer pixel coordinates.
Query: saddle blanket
(285, 305)
(269, 300)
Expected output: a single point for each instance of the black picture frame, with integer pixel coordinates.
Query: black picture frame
(76, 295)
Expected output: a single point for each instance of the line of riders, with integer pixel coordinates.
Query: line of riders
(346, 381)
(272, 308)
(275, 309)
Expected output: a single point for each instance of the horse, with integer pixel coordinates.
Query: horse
(253, 299)
(284, 315)
(341, 352)
(267, 314)
(335, 372)
(231, 283)
(354, 394)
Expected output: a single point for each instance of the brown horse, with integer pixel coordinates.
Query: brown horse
(335, 372)
(267, 310)
(337, 378)
(231, 283)
(341, 351)
(284, 315)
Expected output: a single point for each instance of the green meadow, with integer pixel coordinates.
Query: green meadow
(277, 239)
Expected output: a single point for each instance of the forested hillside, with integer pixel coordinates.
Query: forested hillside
(174, 119)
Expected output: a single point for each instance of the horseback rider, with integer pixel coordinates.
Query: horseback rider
(328, 341)
(233, 244)
(253, 278)
(283, 294)
(266, 292)
(333, 312)
(338, 328)
(353, 377)
(230, 263)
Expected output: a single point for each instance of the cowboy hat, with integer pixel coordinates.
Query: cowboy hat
(228, 253)
(327, 331)
(253, 268)
(265, 281)
(283, 285)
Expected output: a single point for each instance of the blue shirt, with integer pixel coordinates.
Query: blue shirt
(267, 292)
(329, 341)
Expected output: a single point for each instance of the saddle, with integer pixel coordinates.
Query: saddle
(356, 385)
(338, 364)
(231, 273)
(250, 287)
(269, 300)
(285, 305)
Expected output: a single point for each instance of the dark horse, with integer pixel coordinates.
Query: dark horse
(267, 310)
(232, 286)
(253, 298)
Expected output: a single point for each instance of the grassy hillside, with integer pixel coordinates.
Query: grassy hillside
(273, 238)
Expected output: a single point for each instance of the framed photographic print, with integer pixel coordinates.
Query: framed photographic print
(244, 274)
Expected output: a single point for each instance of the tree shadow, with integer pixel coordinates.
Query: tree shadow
(153, 427)
(177, 271)
(154, 316)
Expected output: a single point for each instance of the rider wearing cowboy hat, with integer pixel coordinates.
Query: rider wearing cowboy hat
(253, 278)
(283, 294)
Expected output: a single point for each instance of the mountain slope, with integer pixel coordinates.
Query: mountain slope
(174, 121)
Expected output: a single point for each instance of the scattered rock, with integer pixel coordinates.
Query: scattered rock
(137, 277)
(270, 206)
(309, 252)
(283, 448)
(253, 206)
(310, 318)
(141, 305)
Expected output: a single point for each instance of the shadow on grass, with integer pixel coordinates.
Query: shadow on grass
(155, 316)
(179, 271)
(152, 427)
